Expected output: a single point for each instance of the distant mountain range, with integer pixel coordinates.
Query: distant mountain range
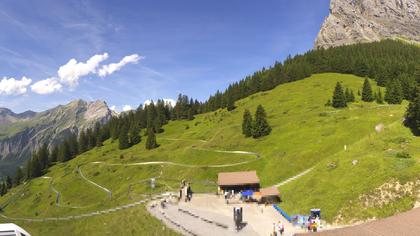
(22, 133)
(354, 21)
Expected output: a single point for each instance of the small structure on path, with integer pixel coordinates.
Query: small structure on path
(238, 181)
(270, 195)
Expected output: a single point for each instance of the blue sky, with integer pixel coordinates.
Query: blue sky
(192, 47)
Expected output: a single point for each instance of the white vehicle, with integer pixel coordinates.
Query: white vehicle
(12, 230)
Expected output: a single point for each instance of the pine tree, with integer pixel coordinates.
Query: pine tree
(123, 139)
(36, 170)
(28, 169)
(339, 99)
(18, 176)
(367, 94)
(151, 140)
(3, 189)
(352, 97)
(9, 182)
(134, 135)
(247, 124)
(230, 103)
(91, 138)
(83, 142)
(157, 127)
(43, 156)
(347, 95)
(379, 97)
(64, 153)
(190, 115)
(412, 117)
(54, 155)
(394, 93)
(261, 126)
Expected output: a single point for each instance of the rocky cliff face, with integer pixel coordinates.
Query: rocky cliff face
(353, 21)
(50, 127)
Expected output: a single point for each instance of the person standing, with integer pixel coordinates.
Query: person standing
(280, 228)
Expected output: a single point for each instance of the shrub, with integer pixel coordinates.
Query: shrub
(403, 155)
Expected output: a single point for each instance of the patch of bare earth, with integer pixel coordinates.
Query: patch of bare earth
(385, 194)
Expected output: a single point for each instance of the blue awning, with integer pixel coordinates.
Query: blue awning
(247, 193)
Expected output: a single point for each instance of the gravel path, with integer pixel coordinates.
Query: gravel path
(208, 214)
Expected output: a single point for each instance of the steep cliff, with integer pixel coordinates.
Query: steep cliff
(25, 132)
(353, 21)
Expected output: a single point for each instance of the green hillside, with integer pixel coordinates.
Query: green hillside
(305, 134)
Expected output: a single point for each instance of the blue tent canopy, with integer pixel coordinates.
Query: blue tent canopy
(247, 193)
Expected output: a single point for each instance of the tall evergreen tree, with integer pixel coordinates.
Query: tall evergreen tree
(247, 123)
(36, 168)
(64, 153)
(151, 140)
(3, 188)
(73, 146)
(134, 135)
(9, 182)
(261, 126)
(123, 139)
(367, 94)
(230, 102)
(339, 99)
(352, 97)
(54, 155)
(157, 127)
(28, 169)
(394, 93)
(379, 97)
(18, 176)
(83, 142)
(43, 156)
(412, 117)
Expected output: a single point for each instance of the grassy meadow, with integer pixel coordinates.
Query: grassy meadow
(305, 134)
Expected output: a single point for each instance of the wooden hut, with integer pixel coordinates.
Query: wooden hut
(238, 181)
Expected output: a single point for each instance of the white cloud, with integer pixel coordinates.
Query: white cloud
(12, 86)
(169, 101)
(47, 86)
(71, 72)
(127, 108)
(113, 108)
(111, 68)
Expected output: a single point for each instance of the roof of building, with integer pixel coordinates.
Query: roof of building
(238, 178)
(12, 227)
(270, 191)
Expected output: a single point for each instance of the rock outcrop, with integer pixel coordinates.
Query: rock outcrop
(25, 132)
(354, 21)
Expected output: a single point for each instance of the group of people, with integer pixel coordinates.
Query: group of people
(278, 229)
(313, 223)
(185, 191)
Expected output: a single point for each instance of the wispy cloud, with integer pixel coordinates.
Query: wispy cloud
(111, 68)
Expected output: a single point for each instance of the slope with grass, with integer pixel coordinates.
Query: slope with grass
(305, 134)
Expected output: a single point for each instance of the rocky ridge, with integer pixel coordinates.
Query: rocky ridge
(354, 21)
(31, 130)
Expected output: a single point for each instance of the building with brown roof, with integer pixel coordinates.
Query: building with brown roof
(270, 195)
(238, 181)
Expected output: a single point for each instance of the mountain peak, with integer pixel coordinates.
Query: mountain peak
(354, 21)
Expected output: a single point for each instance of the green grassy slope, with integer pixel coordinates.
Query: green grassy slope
(305, 134)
